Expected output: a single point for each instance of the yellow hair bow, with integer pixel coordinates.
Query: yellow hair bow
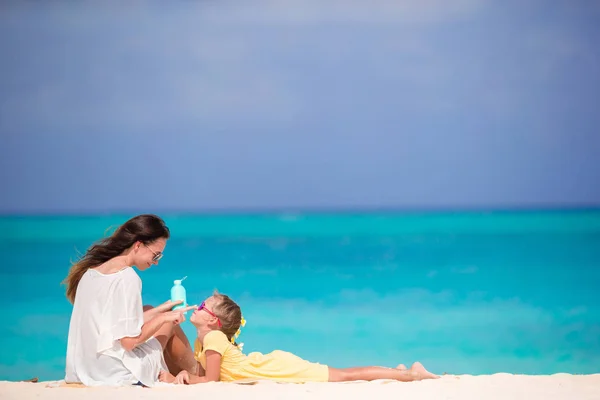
(237, 333)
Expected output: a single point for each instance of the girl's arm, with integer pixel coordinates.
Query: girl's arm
(200, 371)
(212, 373)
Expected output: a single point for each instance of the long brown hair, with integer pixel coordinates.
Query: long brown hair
(145, 228)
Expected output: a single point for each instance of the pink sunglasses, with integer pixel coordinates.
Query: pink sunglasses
(203, 307)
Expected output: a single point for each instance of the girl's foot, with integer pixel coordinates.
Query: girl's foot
(166, 377)
(421, 373)
(401, 367)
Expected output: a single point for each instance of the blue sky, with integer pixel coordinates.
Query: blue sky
(299, 104)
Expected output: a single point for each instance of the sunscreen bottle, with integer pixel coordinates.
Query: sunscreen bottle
(178, 293)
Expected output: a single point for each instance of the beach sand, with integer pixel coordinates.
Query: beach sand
(460, 387)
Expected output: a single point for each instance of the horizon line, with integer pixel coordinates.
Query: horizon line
(238, 211)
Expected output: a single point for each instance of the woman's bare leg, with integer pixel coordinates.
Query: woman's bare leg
(178, 352)
(416, 373)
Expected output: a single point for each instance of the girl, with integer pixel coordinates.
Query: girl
(218, 320)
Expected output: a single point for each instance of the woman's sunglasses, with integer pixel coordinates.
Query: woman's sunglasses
(203, 307)
(157, 256)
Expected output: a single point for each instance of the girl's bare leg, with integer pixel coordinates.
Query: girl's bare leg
(416, 373)
(178, 352)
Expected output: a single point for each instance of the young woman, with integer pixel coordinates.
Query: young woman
(113, 339)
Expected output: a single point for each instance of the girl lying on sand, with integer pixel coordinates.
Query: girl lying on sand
(218, 320)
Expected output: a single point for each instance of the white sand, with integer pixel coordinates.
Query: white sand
(463, 387)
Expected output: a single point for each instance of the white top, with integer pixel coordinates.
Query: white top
(106, 309)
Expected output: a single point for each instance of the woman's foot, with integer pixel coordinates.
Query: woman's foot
(421, 373)
(166, 377)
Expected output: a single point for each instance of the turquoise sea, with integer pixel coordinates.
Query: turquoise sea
(468, 292)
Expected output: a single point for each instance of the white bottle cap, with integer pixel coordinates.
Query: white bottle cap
(178, 281)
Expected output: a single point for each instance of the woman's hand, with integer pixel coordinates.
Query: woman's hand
(176, 317)
(165, 307)
(168, 305)
(182, 378)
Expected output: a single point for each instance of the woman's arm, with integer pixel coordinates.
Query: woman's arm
(149, 314)
(150, 328)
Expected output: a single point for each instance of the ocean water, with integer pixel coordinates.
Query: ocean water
(474, 292)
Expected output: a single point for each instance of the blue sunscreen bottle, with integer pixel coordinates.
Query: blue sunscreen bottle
(178, 293)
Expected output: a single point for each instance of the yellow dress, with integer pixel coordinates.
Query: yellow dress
(278, 365)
